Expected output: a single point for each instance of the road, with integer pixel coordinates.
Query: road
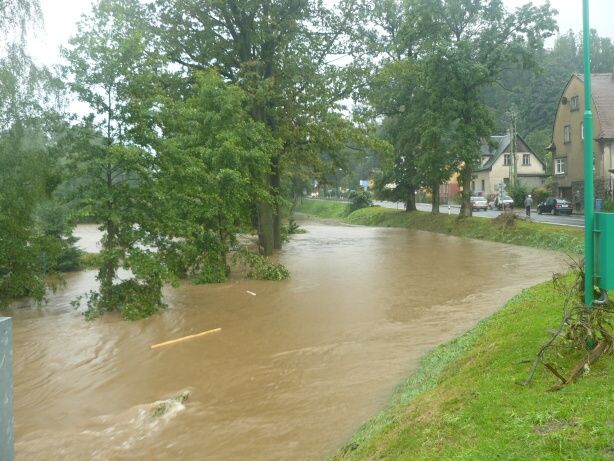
(560, 220)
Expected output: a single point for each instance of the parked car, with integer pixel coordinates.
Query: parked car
(503, 203)
(479, 203)
(555, 206)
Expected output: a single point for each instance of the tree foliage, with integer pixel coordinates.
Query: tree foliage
(29, 249)
(211, 156)
(283, 54)
(113, 176)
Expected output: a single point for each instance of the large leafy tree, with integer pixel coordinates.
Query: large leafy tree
(468, 45)
(393, 96)
(281, 53)
(113, 177)
(210, 156)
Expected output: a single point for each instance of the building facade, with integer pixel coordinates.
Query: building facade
(497, 166)
(568, 138)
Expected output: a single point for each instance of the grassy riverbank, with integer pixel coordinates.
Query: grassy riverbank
(465, 403)
(521, 232)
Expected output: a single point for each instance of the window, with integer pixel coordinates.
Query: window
(582, 131)
(567, 134)
(473, 185)
(526, 159)
(575, 103)
(483, 185)
(559, 166)
(506, 160)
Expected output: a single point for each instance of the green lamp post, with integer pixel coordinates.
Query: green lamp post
(589, 193)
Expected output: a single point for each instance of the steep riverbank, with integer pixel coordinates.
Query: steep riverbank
(519, 232)
(465, 402)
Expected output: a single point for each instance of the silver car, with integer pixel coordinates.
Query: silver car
(479, 203)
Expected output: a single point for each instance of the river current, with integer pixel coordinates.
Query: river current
(297, 366)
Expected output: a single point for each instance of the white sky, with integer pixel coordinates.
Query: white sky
(60, 17)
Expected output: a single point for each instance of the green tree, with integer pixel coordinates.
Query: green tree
(28, 252)
(210, 156)
(113, 177)
(466, 48)
(284, 55)
(393, 94)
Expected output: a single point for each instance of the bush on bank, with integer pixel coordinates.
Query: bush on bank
(520, 232)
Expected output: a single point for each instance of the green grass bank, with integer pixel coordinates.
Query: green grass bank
(465, 403)
(521, 232)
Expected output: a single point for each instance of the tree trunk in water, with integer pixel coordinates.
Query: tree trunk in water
(275, 190)
(465, 181)
(410, 201)
(265, 227)
(435, 199)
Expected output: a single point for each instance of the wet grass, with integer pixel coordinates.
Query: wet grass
(323, 209)
(465, 403)
(520, 232)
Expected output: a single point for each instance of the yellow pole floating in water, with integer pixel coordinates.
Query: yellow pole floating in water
(173, 341)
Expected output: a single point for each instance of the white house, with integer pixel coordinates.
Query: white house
(497, 166)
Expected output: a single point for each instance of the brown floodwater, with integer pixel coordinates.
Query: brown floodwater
(296, 368)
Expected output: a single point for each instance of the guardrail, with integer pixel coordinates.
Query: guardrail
(6, 390)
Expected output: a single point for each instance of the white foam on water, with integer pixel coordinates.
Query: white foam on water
(107, 436)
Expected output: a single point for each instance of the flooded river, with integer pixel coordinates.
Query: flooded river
(296, 368)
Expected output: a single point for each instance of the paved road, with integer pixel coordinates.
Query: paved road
(561, 220)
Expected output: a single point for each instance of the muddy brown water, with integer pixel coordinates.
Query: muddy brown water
(294, 370)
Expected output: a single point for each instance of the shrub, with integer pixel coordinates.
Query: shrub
(215, 272)
(261, 268)
(137, 300)
(539, 194)
(291, 229)
(518, 192)
(608, 205)
(359, 199)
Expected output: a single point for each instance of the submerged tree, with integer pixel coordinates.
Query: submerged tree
(284, 54)
(112, 176)
(210, 158)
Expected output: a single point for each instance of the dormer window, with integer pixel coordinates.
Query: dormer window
(574, 103)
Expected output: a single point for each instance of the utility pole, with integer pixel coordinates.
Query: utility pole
(514, 149)
(513, 173)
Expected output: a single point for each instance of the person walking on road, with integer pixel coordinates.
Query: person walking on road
(528, 202)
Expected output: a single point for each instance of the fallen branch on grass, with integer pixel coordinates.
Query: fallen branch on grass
(591, 357)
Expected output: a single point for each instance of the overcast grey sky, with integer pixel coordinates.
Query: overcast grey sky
(60, 17)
